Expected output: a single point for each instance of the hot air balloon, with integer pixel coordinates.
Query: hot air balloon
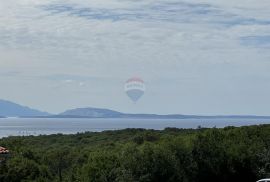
(134, 88)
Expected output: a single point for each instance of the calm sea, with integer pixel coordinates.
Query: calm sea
(19, 126)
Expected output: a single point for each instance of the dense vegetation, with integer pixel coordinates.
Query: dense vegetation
(229, 154)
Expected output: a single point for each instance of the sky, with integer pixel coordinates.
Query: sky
(203, 57)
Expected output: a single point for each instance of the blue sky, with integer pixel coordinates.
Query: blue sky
(196, 57)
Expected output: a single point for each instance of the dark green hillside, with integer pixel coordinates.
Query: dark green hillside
(229, 154)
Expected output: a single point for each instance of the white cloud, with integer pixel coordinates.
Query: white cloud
(99, 44)
(81, 84)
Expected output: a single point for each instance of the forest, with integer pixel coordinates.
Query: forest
(137, 155)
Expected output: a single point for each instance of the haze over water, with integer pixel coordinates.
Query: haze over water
(26, 126)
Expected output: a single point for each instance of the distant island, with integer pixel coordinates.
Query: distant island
(11, 109)
(106, 113)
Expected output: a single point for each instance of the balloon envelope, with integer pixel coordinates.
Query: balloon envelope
(135, 88)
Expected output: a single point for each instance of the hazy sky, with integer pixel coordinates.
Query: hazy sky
(196, 56)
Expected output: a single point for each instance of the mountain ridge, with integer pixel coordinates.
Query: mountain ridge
(91, 112)
(11, 109)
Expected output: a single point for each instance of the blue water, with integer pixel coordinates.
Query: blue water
(25, 126)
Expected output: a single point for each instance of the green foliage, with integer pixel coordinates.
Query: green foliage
(138, 155)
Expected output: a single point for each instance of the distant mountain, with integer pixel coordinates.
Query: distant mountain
(106, 113)
(91, 113)
(10, 109)
(102, 113)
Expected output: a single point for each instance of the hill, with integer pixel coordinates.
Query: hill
(91, 113)
(11, 109)
(107, 113)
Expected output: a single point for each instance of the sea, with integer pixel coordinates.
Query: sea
(47, 126)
